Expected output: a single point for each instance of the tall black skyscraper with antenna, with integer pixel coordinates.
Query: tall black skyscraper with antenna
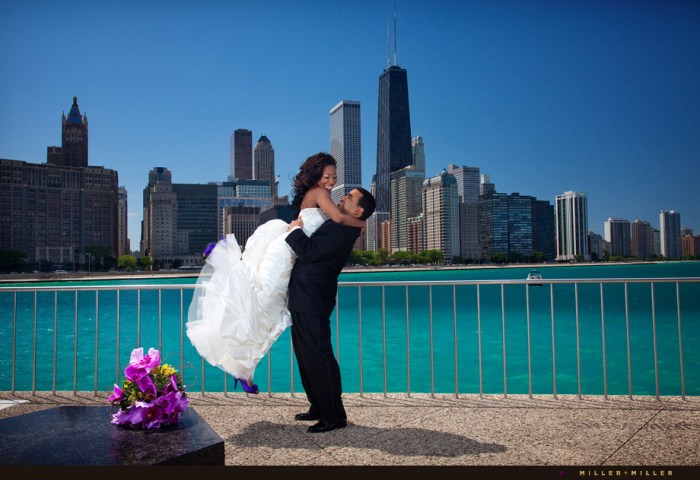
(393, 127)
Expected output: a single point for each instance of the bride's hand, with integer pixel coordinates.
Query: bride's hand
(296, 223)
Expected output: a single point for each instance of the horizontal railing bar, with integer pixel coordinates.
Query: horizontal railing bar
(434, 283)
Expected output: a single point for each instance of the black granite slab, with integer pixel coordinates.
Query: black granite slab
(83, 435)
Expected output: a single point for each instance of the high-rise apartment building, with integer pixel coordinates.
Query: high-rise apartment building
(543, 228)
(179, 220)
(571, 212)
(346, 147)
(670, 231)
(617, 233)
(441, 212)
(159, 235)
(468, 188)
(242, 154)
(196, 219)
(243, 193)
(416, 233)
(642, 244)
(595, 246)
(123, 223)
(468, 182)
(406, 202)
(264, 162)
(506, 225)
(690, 245)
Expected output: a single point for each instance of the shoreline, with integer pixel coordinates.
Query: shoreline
(82, 276)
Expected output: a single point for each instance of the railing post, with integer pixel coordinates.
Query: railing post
(160, 320)
(578, 344)
(75, 344)
(337, 329)
(359, 334)
(97, 338)
(384, 336)
(680, 339)
(138, 318)
(554, 343)
(629, 351)
(503, 339)
(291, 367)
(602, 320)
(656, 355)
(529, 348)
(14, 341)
(55, 338)
(408, 349)
(478, 328)
(454, 318)
(182, 335)
(116, 353)
(432, 359)
(34, 349)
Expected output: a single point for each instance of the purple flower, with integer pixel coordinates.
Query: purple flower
(147, 386)
(117, 396)
(140, 364)
(155, 408)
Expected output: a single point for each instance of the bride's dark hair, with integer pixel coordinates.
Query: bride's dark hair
(309, 174)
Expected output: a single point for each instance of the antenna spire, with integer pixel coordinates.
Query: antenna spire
(396, 59)
(388, 56)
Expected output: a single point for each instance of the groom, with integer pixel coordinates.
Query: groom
(312, 291)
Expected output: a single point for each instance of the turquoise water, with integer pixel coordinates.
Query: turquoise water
(445, 361)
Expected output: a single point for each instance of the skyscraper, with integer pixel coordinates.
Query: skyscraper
(418, 149)
(123, 223)
(543, 228)
(641, 239)
(441, 211)
(242, 154)
(571, 212)
(468, 190)
(264, 162)
(346, 147)
(406, 202)
(670, 227)
(617, 232)
(393, 132)
(506, 225)
(74, 140)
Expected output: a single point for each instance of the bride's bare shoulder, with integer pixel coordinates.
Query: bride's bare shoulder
(310, 198)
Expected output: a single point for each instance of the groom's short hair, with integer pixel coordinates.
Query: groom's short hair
(367, 203)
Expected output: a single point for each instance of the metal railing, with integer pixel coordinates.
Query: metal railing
(458, 307)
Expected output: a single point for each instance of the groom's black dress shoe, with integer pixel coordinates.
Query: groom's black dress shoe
(306, 416)
(326, 426)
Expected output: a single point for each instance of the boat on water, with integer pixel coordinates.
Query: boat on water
(535, 275)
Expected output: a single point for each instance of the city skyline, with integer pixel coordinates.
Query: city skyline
(544, 97)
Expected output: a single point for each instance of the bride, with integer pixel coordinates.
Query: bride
(239, 307)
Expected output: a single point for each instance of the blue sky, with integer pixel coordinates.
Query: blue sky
(601, 97)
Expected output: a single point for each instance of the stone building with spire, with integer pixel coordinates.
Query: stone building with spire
(60, 212)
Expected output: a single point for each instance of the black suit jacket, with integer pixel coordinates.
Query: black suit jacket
(314, 281)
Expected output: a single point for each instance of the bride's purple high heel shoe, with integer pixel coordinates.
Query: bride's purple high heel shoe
(246, 388)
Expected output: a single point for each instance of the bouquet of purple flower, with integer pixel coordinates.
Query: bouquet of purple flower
(151, 395)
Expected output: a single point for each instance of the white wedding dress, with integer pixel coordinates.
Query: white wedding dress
(239, 307)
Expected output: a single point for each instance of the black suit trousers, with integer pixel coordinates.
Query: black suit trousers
(318, 368)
